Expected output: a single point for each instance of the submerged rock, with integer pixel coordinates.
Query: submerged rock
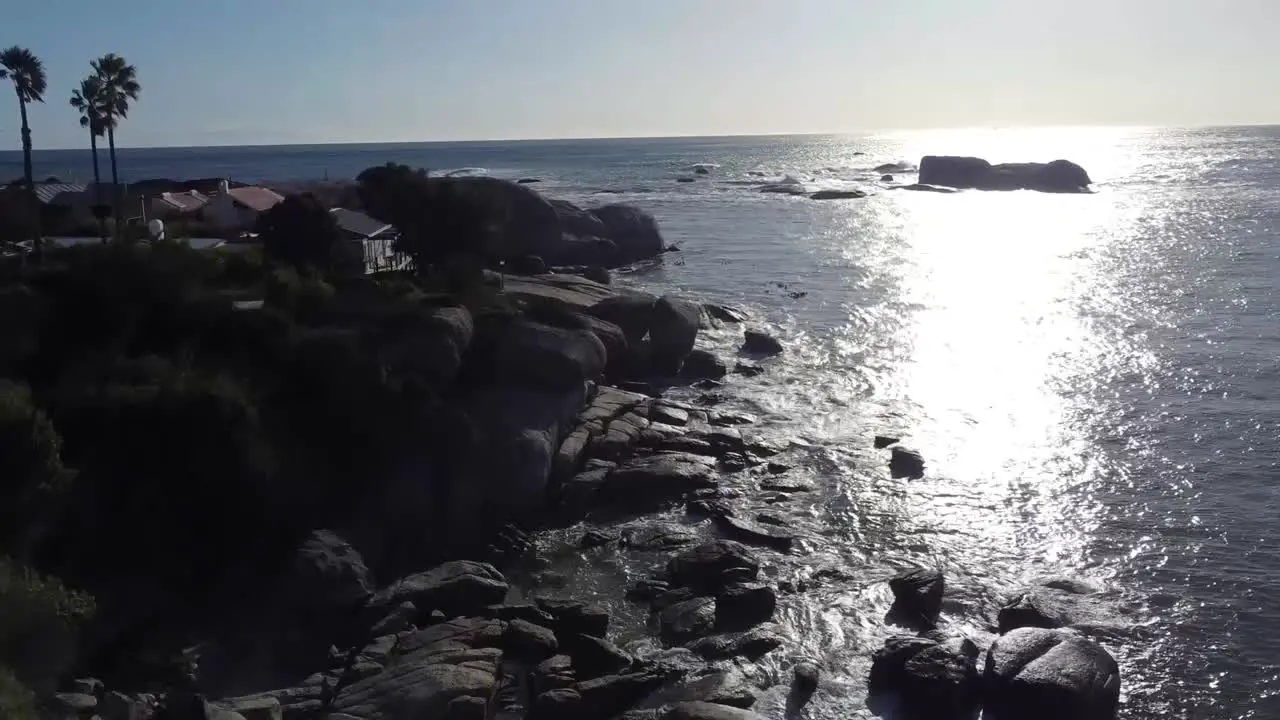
(1057, 604)
(837, 195)
(971, 172)
(760, 343)
(918, 187)
(1050, 675)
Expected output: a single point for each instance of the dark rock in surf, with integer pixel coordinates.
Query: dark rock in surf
(747, 369)
(754, 534)
(657, 479)
(740, 607)
(1057, 604)
(917, 597)
(527, 181)
(837, 195)
(915, 678)
(458, 587)
(918, 187)
(884, 441)
(575, 616)
(760, 343)
(672, 332)
(709, 711)
(1060, 176)
(633, 231)
(594, 656)
(685, 180)
(886, 178)
(712, 566)
(700, 170)
(595, 538)
(726, 313)
(1050, 675)
(892, 168)
(804, 683)
(904, 463)
(752, 644)
(687, 620)
(699, 364)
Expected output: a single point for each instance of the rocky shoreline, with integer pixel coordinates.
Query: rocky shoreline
(439, 599)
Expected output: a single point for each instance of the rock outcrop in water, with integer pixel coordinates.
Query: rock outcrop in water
(1050, 674)
(1060, 176)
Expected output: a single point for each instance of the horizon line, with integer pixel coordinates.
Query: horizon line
(845, 133)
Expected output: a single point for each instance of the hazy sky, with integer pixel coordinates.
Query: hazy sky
(281, 71)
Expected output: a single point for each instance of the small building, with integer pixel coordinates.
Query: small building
(232, 209)
(178, 204)
(373, 241)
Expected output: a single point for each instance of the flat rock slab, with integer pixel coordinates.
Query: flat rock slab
(443, 671)
(769, 536)
(459, 586)
(658, 479)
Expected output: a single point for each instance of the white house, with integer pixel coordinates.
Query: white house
(178, 204)
(239, 208)
(371, 240)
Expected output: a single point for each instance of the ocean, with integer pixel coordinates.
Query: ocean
(1093, 380)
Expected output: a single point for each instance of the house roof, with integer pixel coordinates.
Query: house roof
(189, 201)
(47, 192)
(358, 223)
(256, 198)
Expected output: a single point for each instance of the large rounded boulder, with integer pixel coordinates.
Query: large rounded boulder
(634, 231)
(672, 332)
(1050, 675)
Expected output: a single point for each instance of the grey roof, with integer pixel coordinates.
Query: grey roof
(46, 192)
(358, 223)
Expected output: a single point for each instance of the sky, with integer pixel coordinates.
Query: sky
(237, 72)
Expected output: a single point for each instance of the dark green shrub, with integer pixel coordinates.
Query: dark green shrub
(175, 479)
(300, 231)
(16, 701)
(40, 622)
(33, 479)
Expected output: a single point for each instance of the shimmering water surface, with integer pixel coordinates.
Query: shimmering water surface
(1092, 379)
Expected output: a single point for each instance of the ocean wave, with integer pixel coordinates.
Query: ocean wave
(467, 172)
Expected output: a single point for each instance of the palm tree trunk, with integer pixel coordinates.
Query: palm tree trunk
(27, 173)
(115, 181)
(97, 185)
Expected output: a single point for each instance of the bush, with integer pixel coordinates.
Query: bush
(40, 622)
(175, 476)
(300, 231)
(32, 477)
(444, 223)
(16, 701)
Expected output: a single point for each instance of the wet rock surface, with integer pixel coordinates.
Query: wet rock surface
(1052, 674)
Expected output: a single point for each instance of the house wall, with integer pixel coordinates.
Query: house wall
(224, 213)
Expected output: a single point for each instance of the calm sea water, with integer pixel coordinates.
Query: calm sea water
(1092, 379)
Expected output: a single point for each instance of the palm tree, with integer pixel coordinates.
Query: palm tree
(88, 100)
(119, 86)
(27, 72)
